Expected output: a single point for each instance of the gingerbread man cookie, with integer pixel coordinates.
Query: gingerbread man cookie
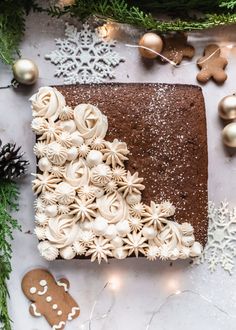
(176, 48)
(212, 65)
(49, 298)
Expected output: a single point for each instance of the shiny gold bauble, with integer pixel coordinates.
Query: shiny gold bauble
(25, 71)
(229, 135)
(227, 107)
(152, 41)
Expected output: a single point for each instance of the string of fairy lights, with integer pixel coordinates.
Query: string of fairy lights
(114, 285)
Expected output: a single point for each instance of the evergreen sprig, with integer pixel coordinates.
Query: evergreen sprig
(12, 26)
(9, 194)
(140, 13)
(216, 13)
(229, 4)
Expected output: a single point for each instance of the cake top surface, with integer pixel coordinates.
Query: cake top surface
(164, 126)
(103, 164)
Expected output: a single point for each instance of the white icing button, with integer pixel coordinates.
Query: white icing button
(44, 164)
(100, 225)
(59, 313)
(54, 306)
(51, 211)
(43, 282)
(49, 299)
(33, 290)
(94, 158)
(72, 153)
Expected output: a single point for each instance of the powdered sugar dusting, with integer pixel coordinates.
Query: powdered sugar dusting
(164, 128)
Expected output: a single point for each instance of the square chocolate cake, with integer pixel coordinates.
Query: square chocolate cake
(156, 148)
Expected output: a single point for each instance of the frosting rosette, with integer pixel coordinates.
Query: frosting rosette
(90, 122)
(77, 173)
(48, 250)
(112, 207)
(47, 103)
(65, 193)
(62, 231)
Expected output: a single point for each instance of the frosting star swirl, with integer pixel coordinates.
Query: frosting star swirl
(90, 122)
(65, 193)
(48, 251)
(115, 153)
(112, 207)
(62, 231)
(50, 132)
(101, 175)
(56, 153)
(44, 182)
(40, 149)
(47, 103)
(131, 184)
(66, 113)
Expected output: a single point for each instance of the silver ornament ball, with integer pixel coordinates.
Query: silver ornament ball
(227, 107)
(229, 135)
(25, 71)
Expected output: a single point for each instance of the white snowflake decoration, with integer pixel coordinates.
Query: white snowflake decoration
(83, 57)
(221, 245)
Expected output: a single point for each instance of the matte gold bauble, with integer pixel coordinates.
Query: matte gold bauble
(152, 41)
(25, 71)
(65, 3)
(227, 107)
(229, 135)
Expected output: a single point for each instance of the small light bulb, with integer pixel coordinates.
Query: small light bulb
(172, 284)
(102, 31)
(115, 283)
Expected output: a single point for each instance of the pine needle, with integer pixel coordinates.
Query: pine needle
(216, 13)
(9, 195)
(135, 12)
(12, 26)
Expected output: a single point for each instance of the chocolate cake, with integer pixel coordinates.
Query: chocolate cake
(164, 127)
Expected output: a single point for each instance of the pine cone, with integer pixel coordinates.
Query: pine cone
(12, 166)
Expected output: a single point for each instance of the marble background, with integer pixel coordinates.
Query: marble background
(139, 287)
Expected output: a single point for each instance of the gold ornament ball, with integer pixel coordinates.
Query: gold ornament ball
(153, 41)
(229, 135)
(65, 3)
(227, 107)
(25, 71)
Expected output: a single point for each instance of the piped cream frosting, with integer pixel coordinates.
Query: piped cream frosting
(88, 203)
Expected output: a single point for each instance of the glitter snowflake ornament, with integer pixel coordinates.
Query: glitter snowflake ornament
(83, 57)
(221, 245)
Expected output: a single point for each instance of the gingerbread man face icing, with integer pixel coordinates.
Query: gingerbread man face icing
(49, 298)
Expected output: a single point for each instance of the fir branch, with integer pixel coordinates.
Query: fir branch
(12, 26)
(179, 8)
(9, 195)
(229, 4)
(120, 11)
(134, 12)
